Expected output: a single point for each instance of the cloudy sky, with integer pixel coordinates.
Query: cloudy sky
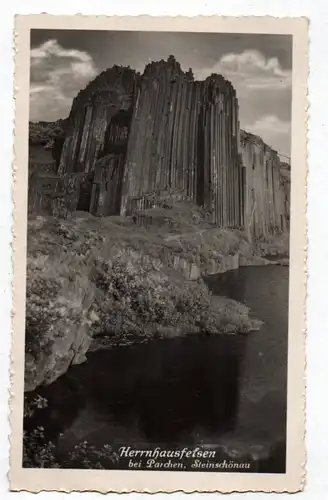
(259, 66)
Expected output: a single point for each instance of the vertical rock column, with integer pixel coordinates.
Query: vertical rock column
(160, 153)
(82, 148)
(221, 180)
(91, 114)
(106, 192)
(265, 203)
(184, 137)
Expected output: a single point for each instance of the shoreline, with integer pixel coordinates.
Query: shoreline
(104, 342)
(267, 449)
(89, 275)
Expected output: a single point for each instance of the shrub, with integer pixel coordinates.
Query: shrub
(30, 406)
(44, 133)
(38, 452)
(136, 299)
(40, 314)
(86, 456)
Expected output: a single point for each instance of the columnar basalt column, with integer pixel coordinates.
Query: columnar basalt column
(184, 137)
(161, 150)
(165, 132)
(106, 192)
(92, 112)
(221, 182)
(266, 194)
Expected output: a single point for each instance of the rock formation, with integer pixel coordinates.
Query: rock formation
(285, 175)
(99, 119)
(184, 137)
(131, 136)
(161, 131)
(266, 199)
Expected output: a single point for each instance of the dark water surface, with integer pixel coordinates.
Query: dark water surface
(263, 386)
(225, 391)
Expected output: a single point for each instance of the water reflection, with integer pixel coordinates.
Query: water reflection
(191, 390)
(263, 390)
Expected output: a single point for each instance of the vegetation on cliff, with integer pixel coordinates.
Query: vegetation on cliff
(93, 277)
(40, 452)
(46, 140)
(97, 282)
(45, 133)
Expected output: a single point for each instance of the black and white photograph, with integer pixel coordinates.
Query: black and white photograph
(158, 251)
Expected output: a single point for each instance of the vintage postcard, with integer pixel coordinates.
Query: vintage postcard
(159, 187)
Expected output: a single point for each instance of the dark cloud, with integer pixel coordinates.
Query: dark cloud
(56, 76)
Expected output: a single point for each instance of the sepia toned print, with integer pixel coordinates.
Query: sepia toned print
(160, 200)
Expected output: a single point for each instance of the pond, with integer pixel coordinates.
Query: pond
(263, 386)
(224, 391)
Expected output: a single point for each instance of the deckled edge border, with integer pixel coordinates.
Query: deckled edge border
(14, 254)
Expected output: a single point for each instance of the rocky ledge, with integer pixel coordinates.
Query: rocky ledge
(90, 276)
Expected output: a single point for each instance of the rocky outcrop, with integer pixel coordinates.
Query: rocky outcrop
(135, 136)
(107, 187)
(285, 174)
(59, 296)
(99, 120)
(158, 131)
(166, 150)
(49, 193)
(266, 203)
(184, 136)
(90, 276)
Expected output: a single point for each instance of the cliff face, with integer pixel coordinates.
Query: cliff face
(131, 137)
(266, 191)
(89, 276)
(154, 146)
(220, 173)
(286, 184)
(99, 120)
(184, 137)
(160, 131)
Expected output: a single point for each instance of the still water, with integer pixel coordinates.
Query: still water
(227, 391)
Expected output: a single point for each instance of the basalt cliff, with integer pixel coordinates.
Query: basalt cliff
(153, 185)
(129, 137)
